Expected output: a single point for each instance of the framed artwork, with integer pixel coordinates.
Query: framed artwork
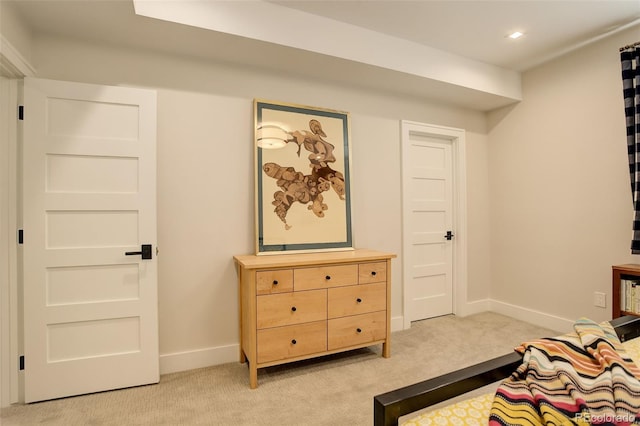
(302, 162)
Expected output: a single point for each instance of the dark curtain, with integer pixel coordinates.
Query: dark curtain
(630, 58)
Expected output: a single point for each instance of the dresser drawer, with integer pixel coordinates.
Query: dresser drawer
(276, 310)
(357, 329)
(357, 299)
(372, 272)
(277, 281)
(324, 276)
(300, 306)
(291, 341)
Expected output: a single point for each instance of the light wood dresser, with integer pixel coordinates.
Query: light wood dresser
(304, 305)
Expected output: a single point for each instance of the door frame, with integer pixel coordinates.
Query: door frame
(459, 219)
(13, 67)
(9, 223)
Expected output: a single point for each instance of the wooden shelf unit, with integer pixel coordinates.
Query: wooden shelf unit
(299, 306)
(632, 270)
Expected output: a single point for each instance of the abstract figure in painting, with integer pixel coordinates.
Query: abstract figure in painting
(296, 187)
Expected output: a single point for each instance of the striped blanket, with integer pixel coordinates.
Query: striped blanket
(580, 378)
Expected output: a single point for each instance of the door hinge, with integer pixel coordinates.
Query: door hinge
(20, 236)
(20, 112)
(21, 360)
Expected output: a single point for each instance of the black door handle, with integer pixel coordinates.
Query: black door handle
(449, 235)
(145, 252)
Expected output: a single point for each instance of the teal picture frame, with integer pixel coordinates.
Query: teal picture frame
(302, 169)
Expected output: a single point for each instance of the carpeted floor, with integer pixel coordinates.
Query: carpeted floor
(335, 390)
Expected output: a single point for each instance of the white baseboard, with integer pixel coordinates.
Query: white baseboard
(199, 358)
(397, 323)
(208, 357)
(474, 307)
(561, 325)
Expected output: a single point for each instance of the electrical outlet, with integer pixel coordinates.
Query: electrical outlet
(599, 299)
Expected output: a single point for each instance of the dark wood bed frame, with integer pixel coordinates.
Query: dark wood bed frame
(390, 406)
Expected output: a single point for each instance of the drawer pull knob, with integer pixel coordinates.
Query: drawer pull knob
(293, 342)
(359, 330)
(275, 282)
(293, 309)
(359, 300)
(373, 273)
(328, 277)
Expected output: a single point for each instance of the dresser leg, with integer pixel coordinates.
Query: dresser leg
(386, 349)
(253, 376)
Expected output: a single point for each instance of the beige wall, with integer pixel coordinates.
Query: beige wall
(478, 219)
(560, 196)
(548, 196)
(205, 201)
(15, 32)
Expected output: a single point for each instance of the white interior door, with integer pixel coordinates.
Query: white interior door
(90, 311)
(428, 201)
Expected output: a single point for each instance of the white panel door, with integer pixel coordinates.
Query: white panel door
(428, 216)
(90, 310)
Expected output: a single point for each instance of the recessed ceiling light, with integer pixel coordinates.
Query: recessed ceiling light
(515, 35)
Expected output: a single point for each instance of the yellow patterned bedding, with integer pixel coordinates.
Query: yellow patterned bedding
(475, 411)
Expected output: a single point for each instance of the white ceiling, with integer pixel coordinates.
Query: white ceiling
(477, 29)
(473, 29)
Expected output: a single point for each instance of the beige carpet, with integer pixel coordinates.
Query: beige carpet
(334, 390)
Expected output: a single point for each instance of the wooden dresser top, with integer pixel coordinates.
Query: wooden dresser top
(251, 261)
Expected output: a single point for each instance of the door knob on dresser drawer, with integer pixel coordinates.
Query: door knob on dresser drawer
(293, 342)
(359, 300)
(328, 277)
(359, 330)
(373, 273)
(275, 282)
(293, 309)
